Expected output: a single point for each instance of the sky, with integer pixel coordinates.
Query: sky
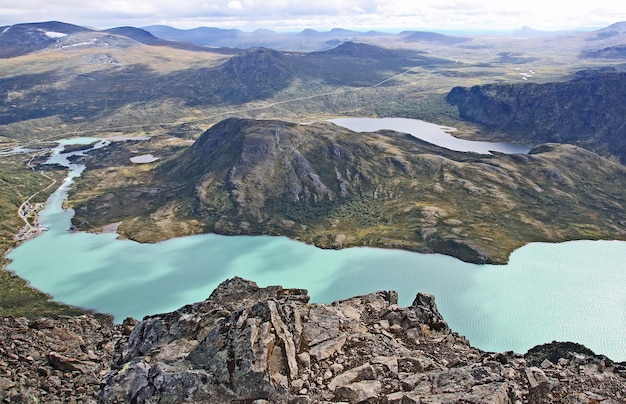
(295, 15)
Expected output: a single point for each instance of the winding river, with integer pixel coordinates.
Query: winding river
(569, 291)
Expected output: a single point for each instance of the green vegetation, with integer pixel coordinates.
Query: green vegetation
(330, 187)
(406, 195)
(19, 182)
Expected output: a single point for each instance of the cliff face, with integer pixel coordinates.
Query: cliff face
(587, 111)
(247, 344)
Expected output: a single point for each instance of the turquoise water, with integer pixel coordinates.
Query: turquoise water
(569, 291)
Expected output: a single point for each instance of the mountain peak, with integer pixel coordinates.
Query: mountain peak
(260, 65)
(359, 50)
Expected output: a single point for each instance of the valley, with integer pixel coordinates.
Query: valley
(81, 82)
(218, 132)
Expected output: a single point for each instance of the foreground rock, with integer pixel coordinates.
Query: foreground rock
(54, 361)
(259, 345)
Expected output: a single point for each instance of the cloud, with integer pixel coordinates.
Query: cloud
(235, 5)
(319, 14)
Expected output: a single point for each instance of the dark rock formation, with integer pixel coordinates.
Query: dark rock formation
(253, 345)
(587, 111)
(247, 344)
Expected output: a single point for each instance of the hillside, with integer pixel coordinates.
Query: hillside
(587, 111)
(128, 77)
(20, 39)
(335, 188)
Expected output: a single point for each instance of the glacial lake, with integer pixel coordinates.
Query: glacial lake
(430, 132)
(572, 291)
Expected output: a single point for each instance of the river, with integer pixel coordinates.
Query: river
(568, 291)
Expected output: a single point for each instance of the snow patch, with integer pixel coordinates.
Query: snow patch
(54, 35)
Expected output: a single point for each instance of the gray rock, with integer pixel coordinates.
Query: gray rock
(259, 345)
(360, 391)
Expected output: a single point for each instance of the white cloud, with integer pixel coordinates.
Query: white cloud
(235, 5)
(320, 14)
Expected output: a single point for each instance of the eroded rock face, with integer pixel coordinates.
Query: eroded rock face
(258, 345)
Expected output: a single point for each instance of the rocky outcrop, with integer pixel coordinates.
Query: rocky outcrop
(247, 344)
(55, 360)
(586, 111)
(261, 345)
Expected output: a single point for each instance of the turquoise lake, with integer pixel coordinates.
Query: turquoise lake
(571, 291)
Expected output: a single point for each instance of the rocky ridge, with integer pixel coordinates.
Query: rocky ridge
(270, 345)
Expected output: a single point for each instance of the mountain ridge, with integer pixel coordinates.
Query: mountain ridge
(272, 344)
(335, 188)
(585, 110)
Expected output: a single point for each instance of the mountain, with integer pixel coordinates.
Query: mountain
(617, 29)
(335, 188)
(306, 41)
(251, 344)
(527, 32)
(610, 52)
(137, 34)
(147, 38)
(359, 50)
(425, 36)
(20, 39)
(256, 74)
(587, 110)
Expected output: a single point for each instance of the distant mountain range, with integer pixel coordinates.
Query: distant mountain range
(24, 38)
(21, 39)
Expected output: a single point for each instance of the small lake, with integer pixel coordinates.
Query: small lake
(569, 291)
(429, 132)
(144, 158)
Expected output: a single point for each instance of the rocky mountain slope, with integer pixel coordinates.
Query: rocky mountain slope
(587, 111)
(21, 39)
(335, 188)
(247, 344)
(270, 345)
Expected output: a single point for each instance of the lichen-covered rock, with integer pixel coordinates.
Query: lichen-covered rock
(260, 345)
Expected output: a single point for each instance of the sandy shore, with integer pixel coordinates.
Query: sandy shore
(111, 228)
